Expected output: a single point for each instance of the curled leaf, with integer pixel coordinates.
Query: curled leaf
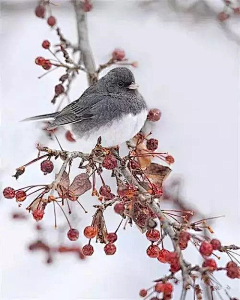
(157, 173)
(63, 185)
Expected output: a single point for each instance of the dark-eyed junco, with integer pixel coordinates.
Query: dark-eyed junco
(111, 108)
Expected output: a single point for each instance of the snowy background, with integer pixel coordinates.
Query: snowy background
(189, 68)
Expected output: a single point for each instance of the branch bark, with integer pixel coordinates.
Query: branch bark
(83, 42)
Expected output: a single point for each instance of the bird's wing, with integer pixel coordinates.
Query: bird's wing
(83, 108)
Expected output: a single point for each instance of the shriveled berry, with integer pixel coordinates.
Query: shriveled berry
(9, 193)
(87, 6)
(183, 244)
(154, 115)
(69, 136)
(216, 244)
(162, 256)
(143, 293)
(184, 236)
(118, 54)
(46, 64)
(111, 237)
(110, 249)
(104, 190)
(109, 162)
(222, 16)
(153, 235)
(90, 232)
(39, 61)
(38, 214)
(153, 251)
(51, 21)
(159, 287)
(210, 264)
(73, 234)
(46, 44)
(40, 11)
(47, 166)
(87, 250)
(119, 208)
(233, 272)
(231, 264)
(59, 89)
(63, 78)
(206, 248)
(169, 159)
(20, 196)
(152, 144)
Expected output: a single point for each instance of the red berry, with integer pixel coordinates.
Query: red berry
(87, 6)
(169, 159)
(206, 248)
(46, 64)
(153, 235)
(73, 234)
(182, 244)
(159, 287)
(168, 288)
(110, 249)
(38, 214)
(143, 293)
(20, 196)
(87, 250)
(154, 115)
(210, 264)
(59, 89)
(233, 272)
(46, 44)
(184, 236)
(152, 144)
(69, 136)
(105, 190)
(216, 244)
(119, 208)
(90, 232)
(153, 251)
(171, 257)
(110, 162)
(39, 61)
(118, 54)
(175, 267)
(47, 166)
(9, 193)
(40, 11)
(51, 21)
(162, 256)
(111, 237)
(231, 264)
(222, 16)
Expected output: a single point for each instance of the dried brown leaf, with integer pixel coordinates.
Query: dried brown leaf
(157, 173)
(80, 185)
(63, 185)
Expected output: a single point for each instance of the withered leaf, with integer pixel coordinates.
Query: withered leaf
(80, 185)
(157, 173)
(63, 185)
(99, 222)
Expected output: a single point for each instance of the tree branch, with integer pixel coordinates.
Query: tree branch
(83, 42)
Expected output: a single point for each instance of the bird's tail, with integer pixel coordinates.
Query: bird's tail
(41, 117)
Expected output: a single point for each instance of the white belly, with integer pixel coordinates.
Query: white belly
(115, 133)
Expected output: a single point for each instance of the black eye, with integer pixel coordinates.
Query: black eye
(120, 83)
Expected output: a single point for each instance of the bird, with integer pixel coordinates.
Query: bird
(112, 108)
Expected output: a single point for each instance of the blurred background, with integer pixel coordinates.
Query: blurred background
(188, 67)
